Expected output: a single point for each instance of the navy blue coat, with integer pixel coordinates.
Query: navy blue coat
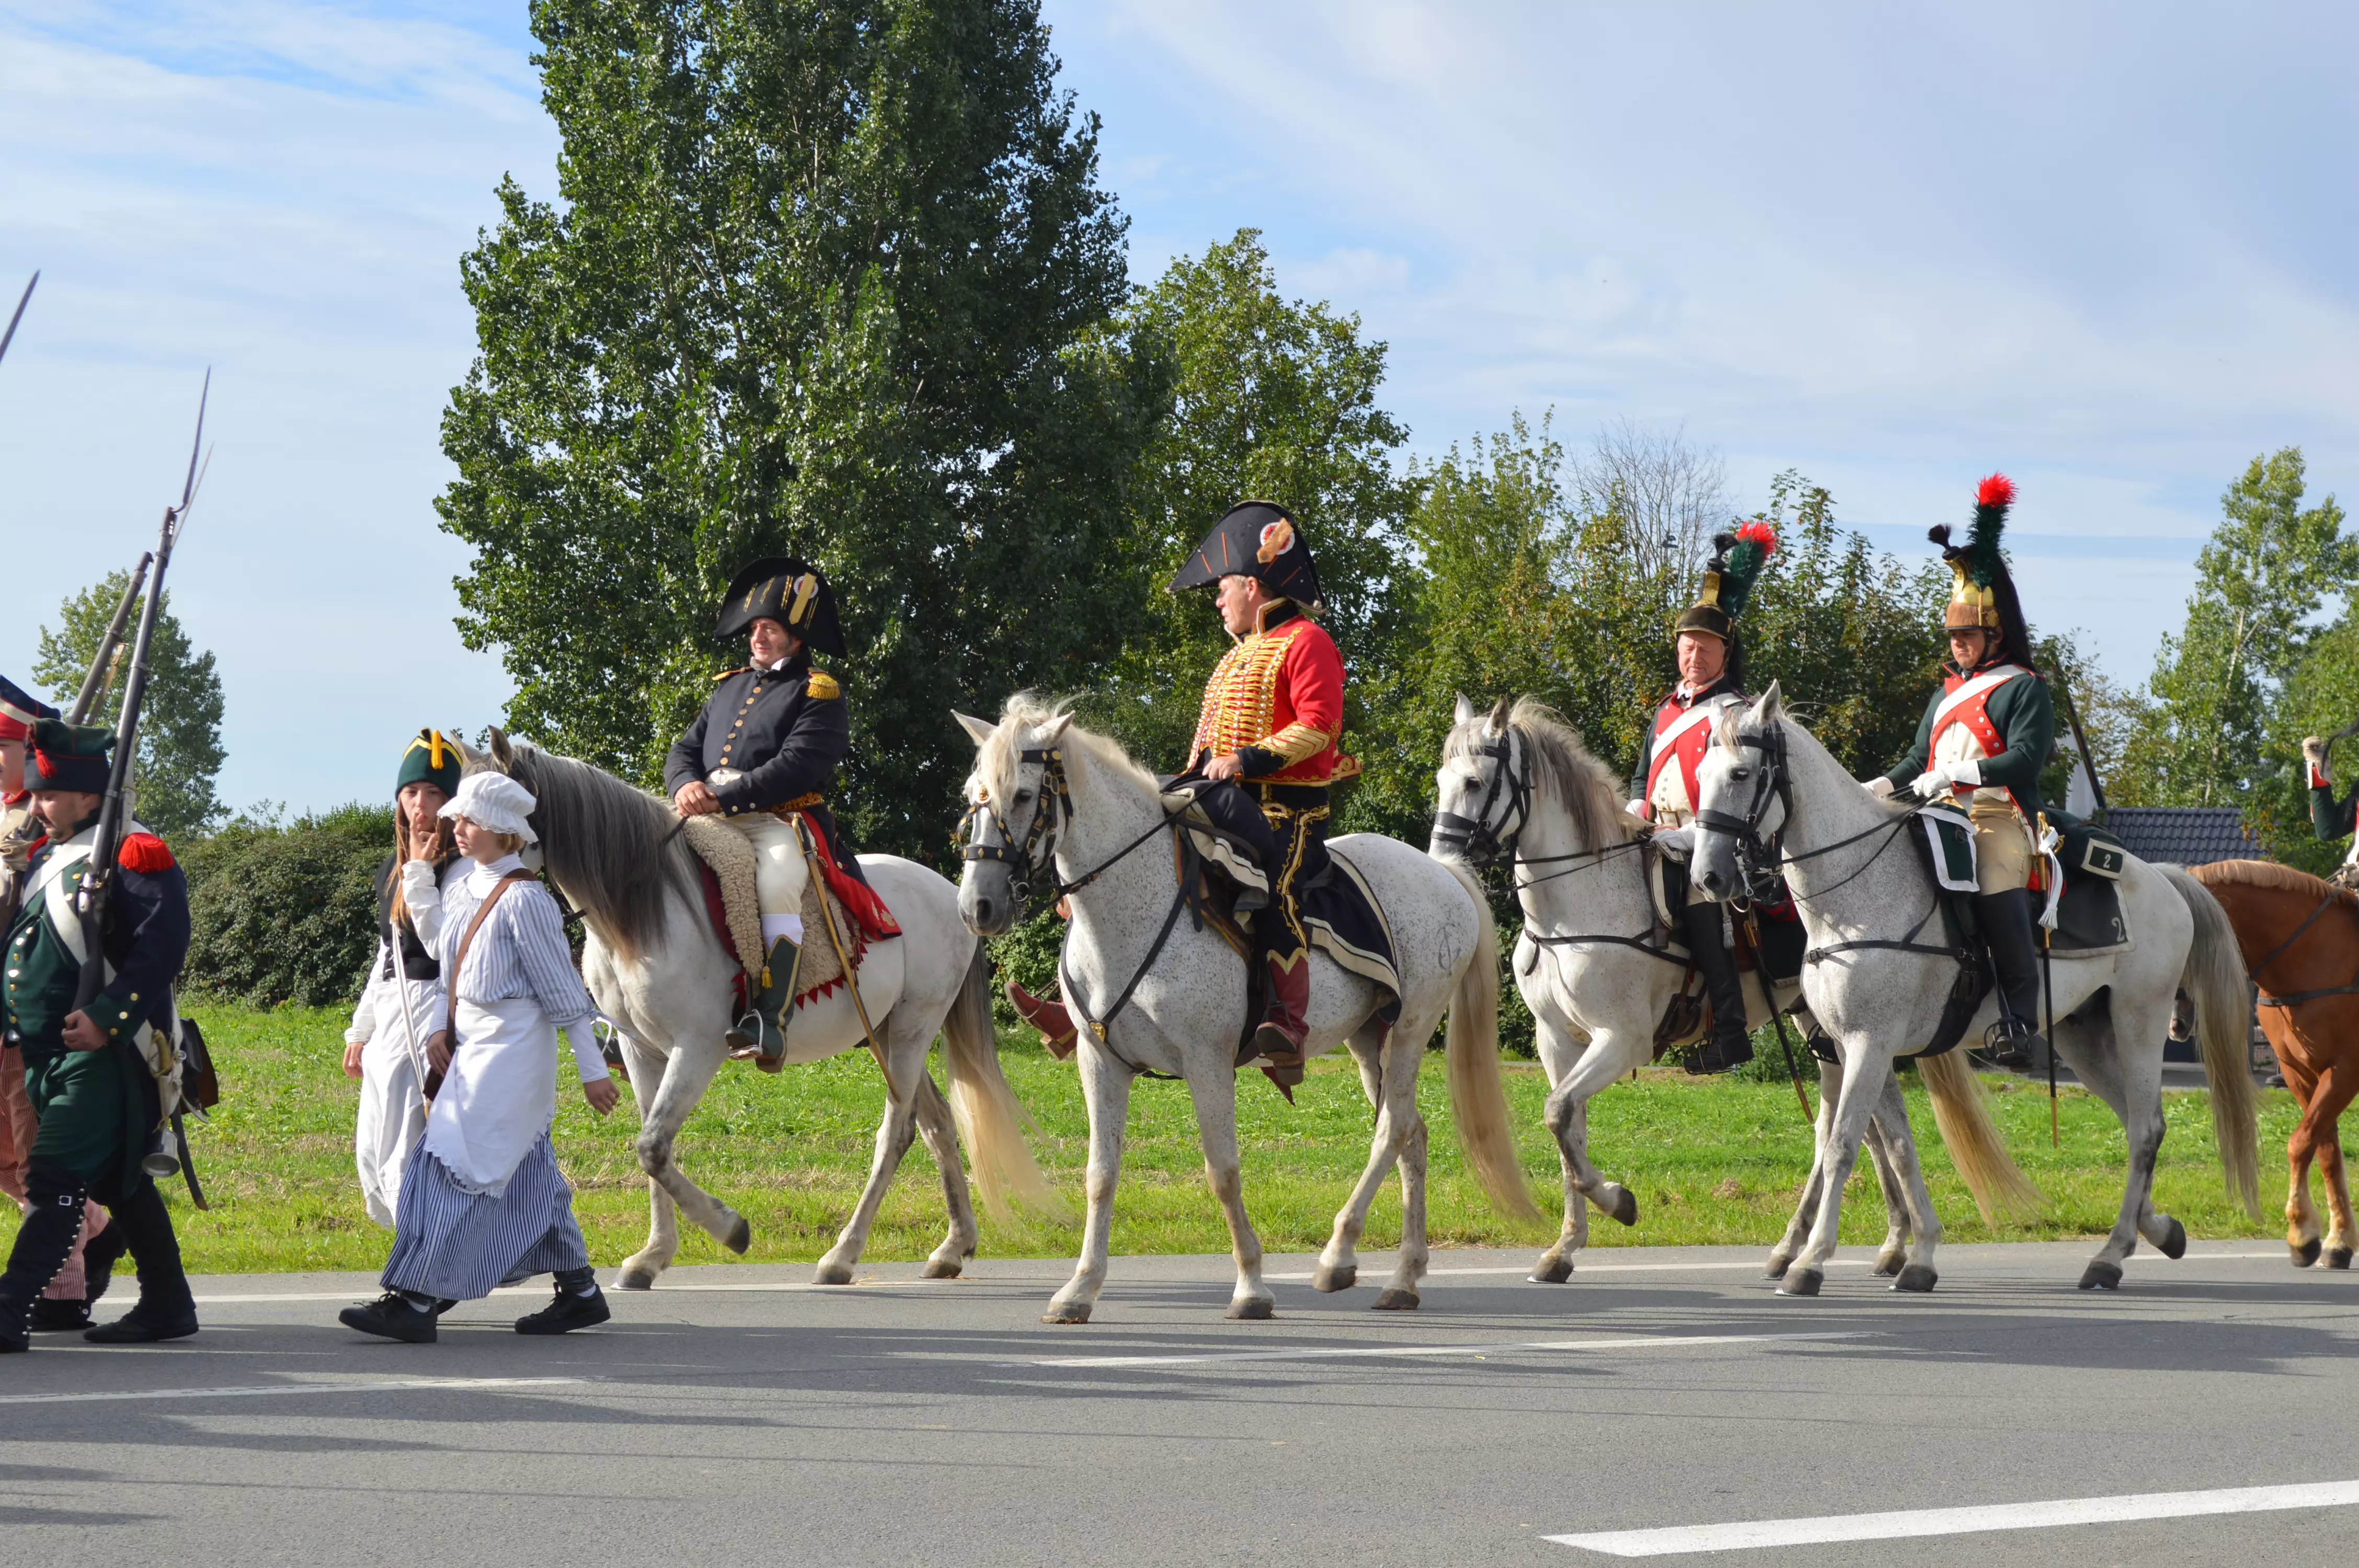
(783, 730)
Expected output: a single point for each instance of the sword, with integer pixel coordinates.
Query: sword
(842, 955)
(22, 300)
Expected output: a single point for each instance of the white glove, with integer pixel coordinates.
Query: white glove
(1637, 808)
(1679, 843)
(1935, 780)
(1879, 787)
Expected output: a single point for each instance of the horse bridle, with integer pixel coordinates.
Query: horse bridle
(1038, 851)
(1473, 836)
(1759, 853)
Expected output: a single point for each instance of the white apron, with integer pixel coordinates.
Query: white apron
(500, 1094)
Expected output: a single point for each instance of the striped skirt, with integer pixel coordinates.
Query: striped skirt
(450, 1242)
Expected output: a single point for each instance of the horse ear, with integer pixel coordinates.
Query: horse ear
(977, 730)
(503, 754)
(1054, 730)
(1771, 706)
(1467, 712)
(1499, 715)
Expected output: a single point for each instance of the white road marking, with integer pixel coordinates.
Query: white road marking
(2143, 1255)
(1962, 1521)
(380, 1386)
(1513, 1347)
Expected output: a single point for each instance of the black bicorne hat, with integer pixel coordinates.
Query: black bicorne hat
(789, 590)
(1257, 539)
(19, 710)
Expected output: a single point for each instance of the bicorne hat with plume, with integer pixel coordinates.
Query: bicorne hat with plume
(1982, 591)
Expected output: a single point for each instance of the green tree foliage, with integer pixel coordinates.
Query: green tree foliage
(2270, 565)
(821, 281)
(1272, 399)
(180, 725)
(285, 912)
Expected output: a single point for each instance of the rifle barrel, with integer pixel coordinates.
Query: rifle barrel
(22, 300)
(95, 681)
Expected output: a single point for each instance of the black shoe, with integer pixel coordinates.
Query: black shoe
(391, 1316)
(566, 1313)
(55, 1315)
(1721, 1054)
(133, 1329)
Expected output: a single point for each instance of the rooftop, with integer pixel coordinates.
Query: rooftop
(2183, 835)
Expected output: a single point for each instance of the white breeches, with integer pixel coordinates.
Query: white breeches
(781, 873)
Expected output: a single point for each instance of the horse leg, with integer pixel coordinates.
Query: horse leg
(1611, 1053)
(1215, 1094)
(1339, 1263)
(638, 1271)
(685, 1079)
(1865, 1075)
(940, 1132)
(893, 1136)
(1904, 1191)
(1400, 1293)
(2314, 1138)
(2132, 1086)
(1806, 1211)
(1562, 1049)
(1106, 1089)
(1893, 1253)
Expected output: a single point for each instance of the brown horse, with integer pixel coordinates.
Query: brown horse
(2300, 940)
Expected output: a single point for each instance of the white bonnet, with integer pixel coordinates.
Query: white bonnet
(494, 801)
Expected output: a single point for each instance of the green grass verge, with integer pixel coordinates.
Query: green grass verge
(1711, 1162)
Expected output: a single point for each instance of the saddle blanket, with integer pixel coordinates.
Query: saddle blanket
(730, 899)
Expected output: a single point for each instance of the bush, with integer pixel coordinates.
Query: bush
(285, 912)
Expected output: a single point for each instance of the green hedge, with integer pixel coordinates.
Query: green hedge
(285, 912)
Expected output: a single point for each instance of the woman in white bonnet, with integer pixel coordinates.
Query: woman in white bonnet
(482, 1202)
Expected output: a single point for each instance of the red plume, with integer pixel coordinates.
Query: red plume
(1996, 491)
(1759, 532)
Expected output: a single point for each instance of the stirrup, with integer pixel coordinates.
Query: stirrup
(2012, 1050)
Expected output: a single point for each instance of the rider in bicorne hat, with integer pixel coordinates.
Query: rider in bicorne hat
(1663, 785)
(762, 753)
(1985, 736)
(1264, 755)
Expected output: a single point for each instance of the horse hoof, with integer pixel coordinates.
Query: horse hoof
(1624, 1209)
(1067, 1312)
(1777, 1267)
(1800, 1282)
(831, 1274)
(1252, 1309)
(635, 1279)
(1395, 1299)
(2305, 1254)
(2102, 1276)
(1890, 1263)
(2173, 1244)
(1334, 1276)
(740, 1236)
(1551, 1272)
(1915, 1277)
(2339, 1259)
(941, 1269)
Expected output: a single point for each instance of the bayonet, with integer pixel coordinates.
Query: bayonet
(22, 300)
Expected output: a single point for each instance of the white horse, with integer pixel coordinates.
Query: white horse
(655, 967)
(1858, 887)
(1106, 842)
(1517, 785)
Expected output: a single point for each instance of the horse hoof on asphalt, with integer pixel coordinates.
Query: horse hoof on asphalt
(2339, 1259)
(1915, 1277)
(941, 1269)
(1551, 1272)
(1397, 1299)
(1890, 1263)
(831, 1274)
(2173, 1244)
(1067, 1312)
(2304, 1255)
(1776, 1267)
(1800, 1282)
(2102, 1276)
(634, 1280)
(1334, 1276)
(740, 1236)
(1624, 1209)
(1252, 1309)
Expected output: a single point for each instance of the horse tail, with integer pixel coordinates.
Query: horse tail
(1961, 1112)
(2214, 980)
(991, 1120)
(1478, 1099)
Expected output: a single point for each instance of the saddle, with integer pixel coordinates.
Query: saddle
(1778, 954)
(732, 903)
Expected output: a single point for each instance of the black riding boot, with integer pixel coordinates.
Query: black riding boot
(44, 1241)
(1729, 1045)
(164, 1310)
(762, 1032)
(2005, 922)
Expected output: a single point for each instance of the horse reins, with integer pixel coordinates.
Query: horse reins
(2265, 999)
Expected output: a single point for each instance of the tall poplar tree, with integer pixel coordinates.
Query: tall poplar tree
(820, 281)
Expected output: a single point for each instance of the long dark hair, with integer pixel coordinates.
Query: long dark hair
(446, 849)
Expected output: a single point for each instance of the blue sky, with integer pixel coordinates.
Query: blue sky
(2104, 248)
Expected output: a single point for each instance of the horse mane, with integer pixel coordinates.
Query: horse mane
(615, 856)
(1560, 762)
(2268, 874)
(995, 762)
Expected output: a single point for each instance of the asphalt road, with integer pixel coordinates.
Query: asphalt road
(737, 1415)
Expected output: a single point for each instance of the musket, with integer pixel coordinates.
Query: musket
(2088, 758)
(22, 300)
(98, 880)
(2344, 733)
(101, 668)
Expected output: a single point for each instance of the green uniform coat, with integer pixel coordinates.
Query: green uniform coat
(2024, 714)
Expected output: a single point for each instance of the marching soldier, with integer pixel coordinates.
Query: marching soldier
(1984, 737)
(762, 754)
(1263, 755)
(1663, 785)
(90, 1081)
(2330, 818)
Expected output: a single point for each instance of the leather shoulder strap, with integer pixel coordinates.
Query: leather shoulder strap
(481, 910)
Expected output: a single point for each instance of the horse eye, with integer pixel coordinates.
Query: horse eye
(1022, 795)
(1739, 773)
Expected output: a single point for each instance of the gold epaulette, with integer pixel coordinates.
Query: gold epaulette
(822, 684)
(724, 675)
